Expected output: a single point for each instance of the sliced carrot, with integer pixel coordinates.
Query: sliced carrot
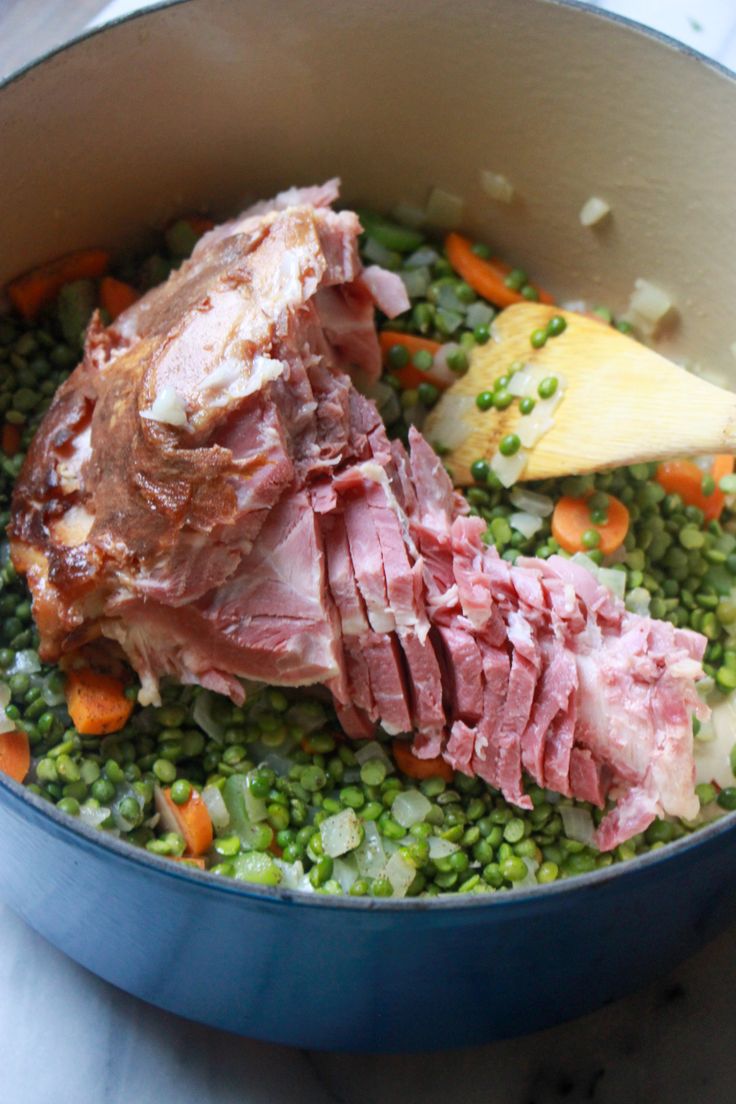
(189, 860)
(116, 296)
(15, 754)
(274, 848)
(420, 768)
(571, 518)
(504, 268)
(685, 478)
(193, 820)
(485, 277)
(33, 290)
(11, 438)
(97, 703)
(410, 375)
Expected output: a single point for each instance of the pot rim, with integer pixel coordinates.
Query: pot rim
(48, 817)
(581, 5)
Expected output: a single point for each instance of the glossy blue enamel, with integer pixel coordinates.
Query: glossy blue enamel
(345, 974)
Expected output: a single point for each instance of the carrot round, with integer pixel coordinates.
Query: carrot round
(11, 438)
(410, 375)
(116, 296)
(420, 768)
(571, 519)
(15, 754)
(189, 860)
(33, 290)
(193, 822)
(97, 703)
(685, 478)
(485, 277)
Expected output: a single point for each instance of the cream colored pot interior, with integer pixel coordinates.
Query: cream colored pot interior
(209, 103)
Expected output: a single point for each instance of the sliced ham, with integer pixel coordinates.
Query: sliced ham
(210, 492)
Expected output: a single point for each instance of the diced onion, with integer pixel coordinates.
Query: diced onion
(25, 663)
(126, 825)
(638, 600)
(450, 428)
(292, 874)
(593, 211)
(416, 281)
(586, 562)
(422, 257)
(509, 468)
(577, 306)
(533, 427)
(526, 524)
(523, 382)
(202, 716)
(444, 209)
(648, 305)
(530, 878)
(410, 807)
(49, 695)
(377, 252)
(385, 398)
(723, 719)
(496, 186)
(714, 743)
(216, 807)
(370, 854)
(374, 750)
(409, 215)
(440, 848)
(615, 581)
(530, 502)
(93, 818)
(578, 824)
(340, 833)
(440, 369)
(479, 314)
(168, 408)
(345, 871)
(255, 807)
(6, 725)
(400, 873)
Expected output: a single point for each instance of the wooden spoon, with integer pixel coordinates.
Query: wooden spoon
(622, 403)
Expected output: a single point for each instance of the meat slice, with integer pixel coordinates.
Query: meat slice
(559, 681)
(462, 670)
(210, 492)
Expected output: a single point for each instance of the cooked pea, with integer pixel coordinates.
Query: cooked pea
(547, 387)
(509, 445)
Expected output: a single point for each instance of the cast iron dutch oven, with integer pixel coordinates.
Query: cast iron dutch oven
(206, 104)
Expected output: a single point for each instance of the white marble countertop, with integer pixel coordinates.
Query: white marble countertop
(66, 1036)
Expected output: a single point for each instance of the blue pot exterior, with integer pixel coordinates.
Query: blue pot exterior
(355, 975)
